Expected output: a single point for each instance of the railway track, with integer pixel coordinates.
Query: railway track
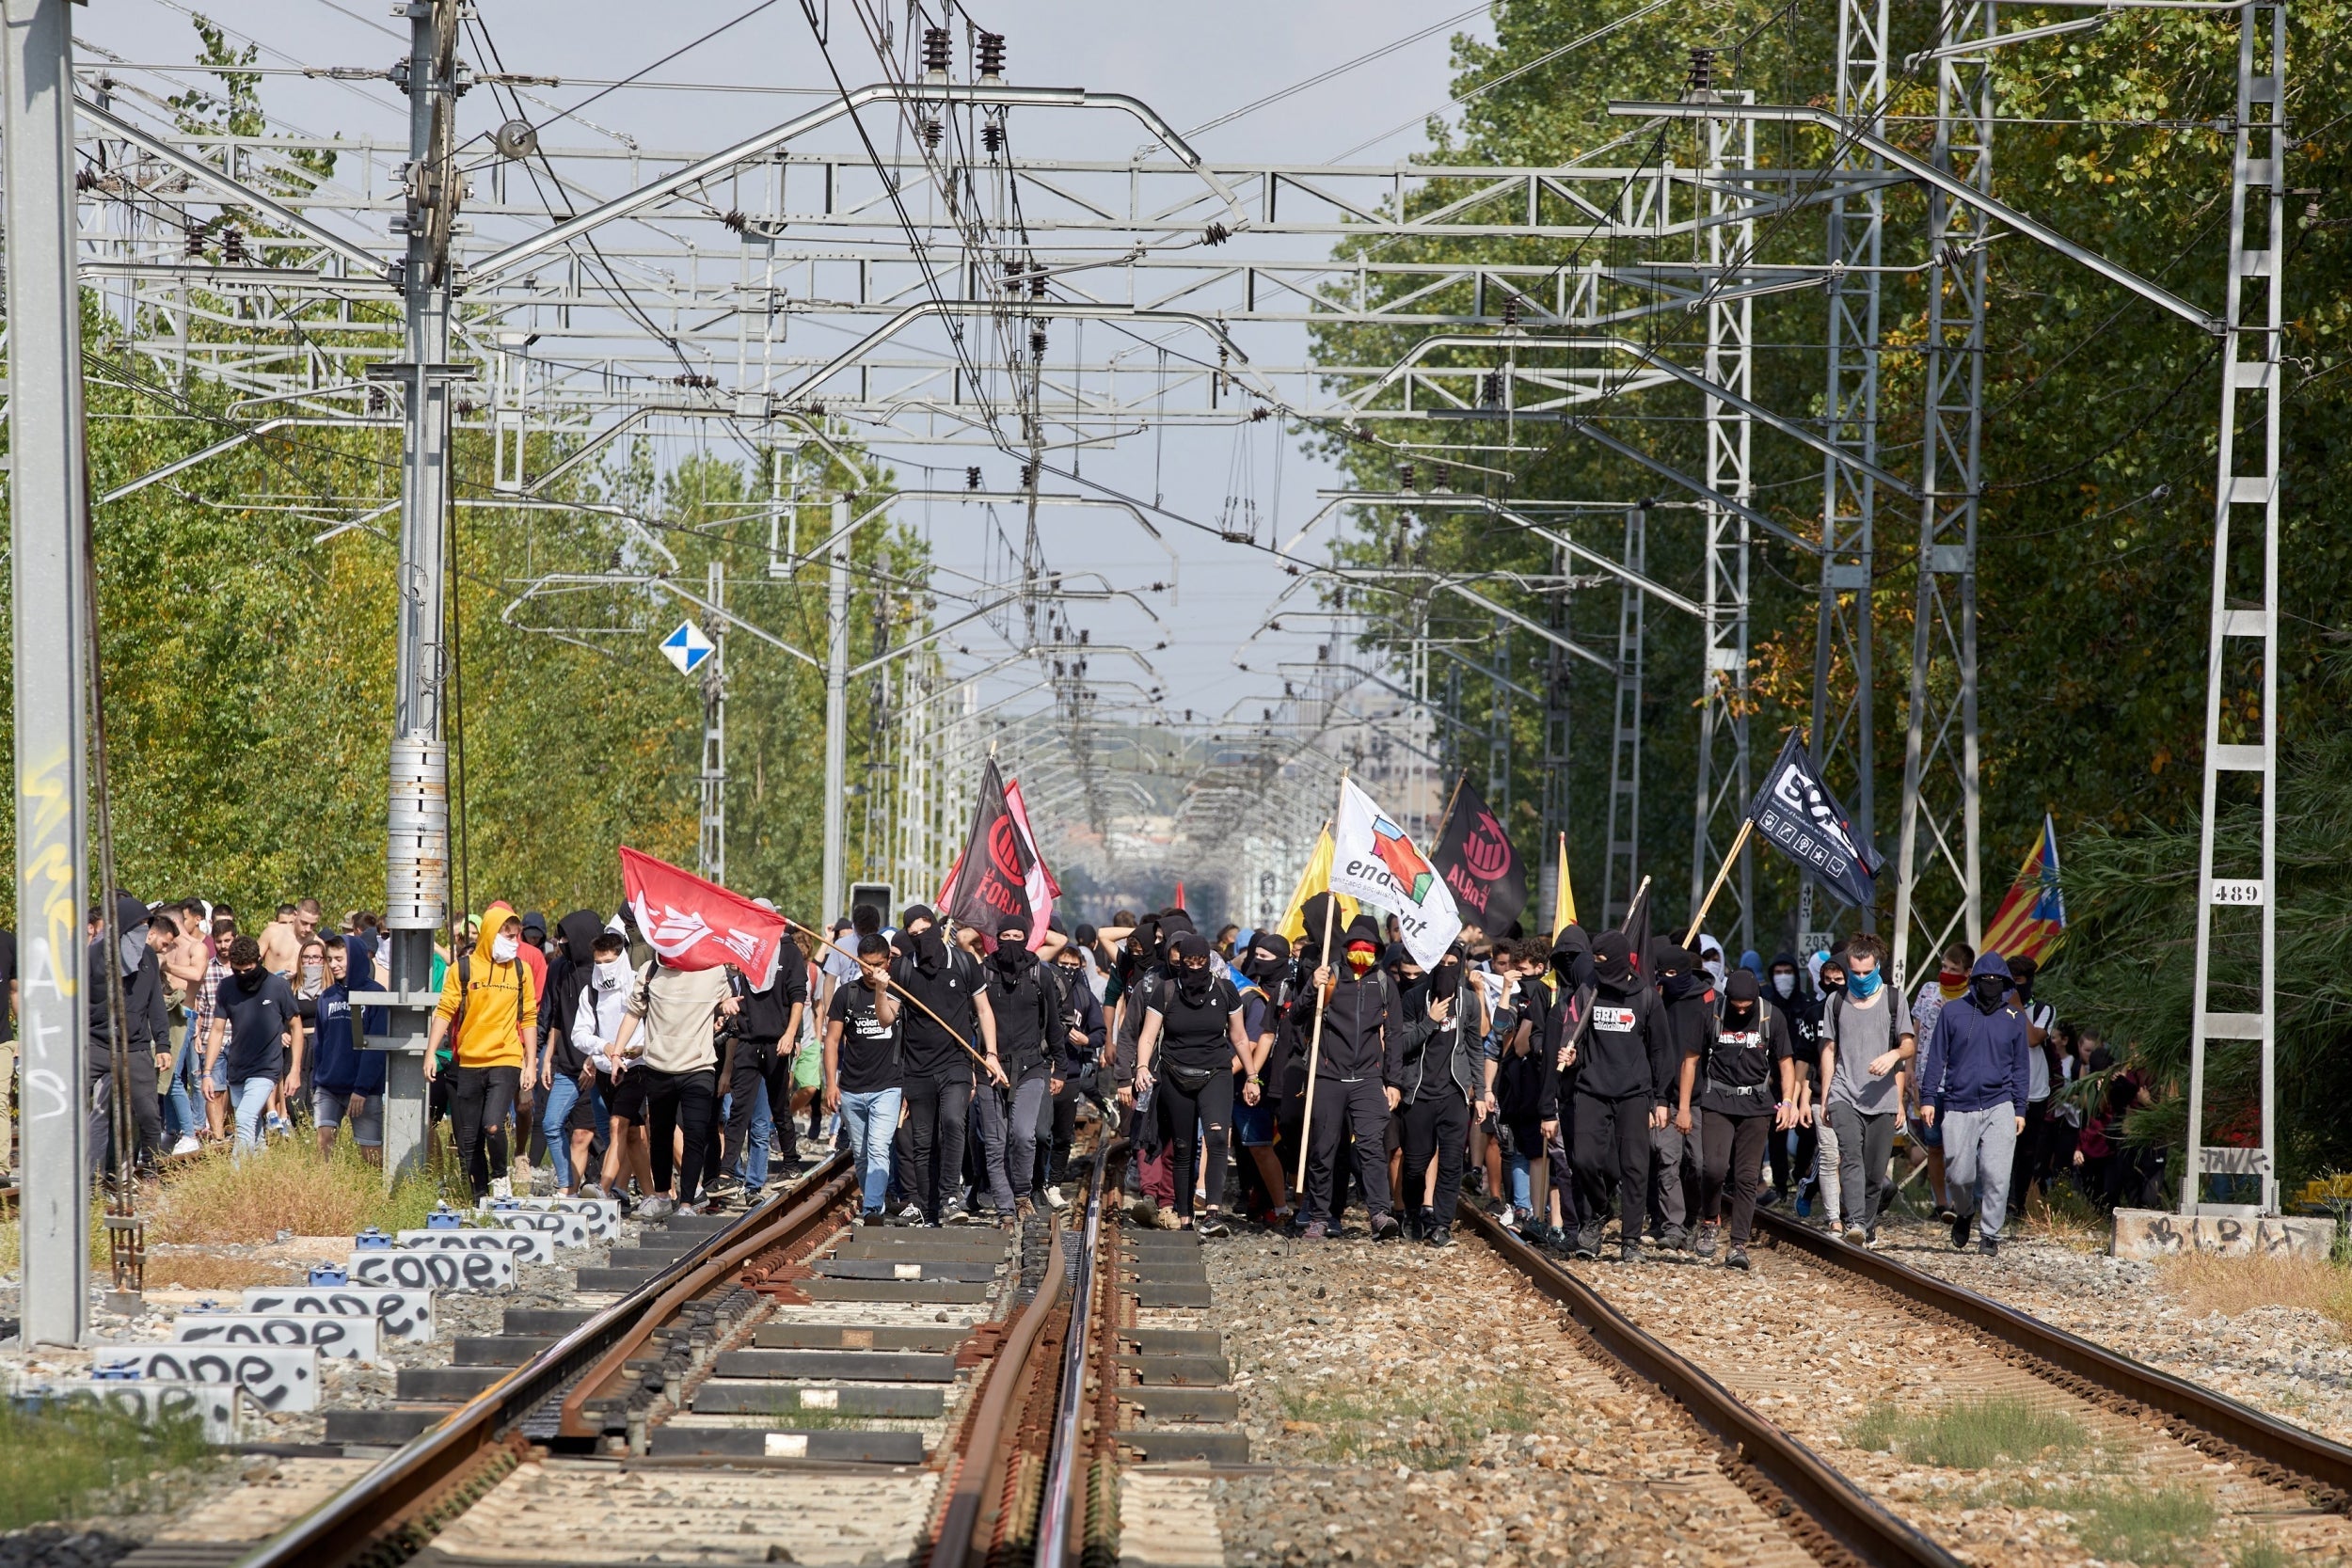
(783, 1386)
(775, 1387)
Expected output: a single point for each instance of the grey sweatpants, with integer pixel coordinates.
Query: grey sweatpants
(1865, 1145)
(1977, 1148)
(1667, 1145)
(1009, 1137)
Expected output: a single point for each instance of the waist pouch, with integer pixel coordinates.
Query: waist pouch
(1190, 1080)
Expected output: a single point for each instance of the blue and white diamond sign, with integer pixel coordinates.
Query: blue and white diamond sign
(687, 647)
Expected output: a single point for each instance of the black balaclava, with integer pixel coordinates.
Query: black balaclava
(1835, 985)
(1446, 979)
(1613, 961)
(1013, 957)
(1987, 992)
(1195, 985)
(2021, 974)
(1394, 957)
(1266, 970)
(930, 948)
(578, 931)
(1677, 973)
(1739, 993)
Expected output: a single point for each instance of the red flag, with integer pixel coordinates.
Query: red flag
(1180, 893)
(1040, 887)
(989, 884)
(693, 924)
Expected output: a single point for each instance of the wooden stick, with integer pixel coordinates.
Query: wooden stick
(1723, 874)
(1314, 1044)
(904, 995)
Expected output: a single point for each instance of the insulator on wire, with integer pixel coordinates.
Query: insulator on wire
(991, 50)
(233, 244)
(1702, 70)
(992, 137)
(1028, 476)
(932, 133)
(195, 242)
(1405, 475)
(971, 477)
(1036, 281)
(1037, 343)
(379, 401)
(1510, 309)
(938, 51)
(1490, 389)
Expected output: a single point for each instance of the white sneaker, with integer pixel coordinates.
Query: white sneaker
(1054, 1198)
(187, 1145)
(502, 1187)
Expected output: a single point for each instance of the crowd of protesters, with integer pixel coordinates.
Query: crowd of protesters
(1567, 1082)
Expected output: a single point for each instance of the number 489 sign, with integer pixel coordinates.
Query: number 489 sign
(2244, 893)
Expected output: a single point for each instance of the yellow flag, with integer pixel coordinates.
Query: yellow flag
(1316, 878)
(1563, 901)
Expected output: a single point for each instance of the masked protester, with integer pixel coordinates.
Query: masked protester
(1192, 1037)
(1151, 963)
(1078, 1057)
(2045, 1069)
(1786, 995)
(1975, 1081)
(1829, 980)
(1354, 1083)
(1265, 996)
(1747, 1086)
(1689, 1010)
(1867, 1038)
(1444, 1023)
(1624, 1080)
(1563, 1007)
(758, 1067)
(490, 1005)
(946, 1018)
(1948, 984)
(1028, 1005)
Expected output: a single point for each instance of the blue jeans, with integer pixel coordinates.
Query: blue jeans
(755, 1171)
(870, 1119)
(563, 1095)
(181, 1118)
(252, 1105)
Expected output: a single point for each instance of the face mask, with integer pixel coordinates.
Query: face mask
(1864, 987)
(1194, 983)
(132, 947)
(312, 973)
(250, 978)
(1833, 984)
(2025, 990)
(610, 973)
(504, 949)
(1989, 989)
(1359, 959)
(1785, 984)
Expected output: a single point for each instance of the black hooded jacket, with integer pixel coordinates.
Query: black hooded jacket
(1629, 1048)
(567, 975)
(1363, 1023)
(1439, 1054)
(1800, 1012)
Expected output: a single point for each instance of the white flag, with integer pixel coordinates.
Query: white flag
(1374, 860)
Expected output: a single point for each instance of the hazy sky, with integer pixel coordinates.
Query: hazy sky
(1193, 63)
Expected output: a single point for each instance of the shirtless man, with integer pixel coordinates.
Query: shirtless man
(282, 938)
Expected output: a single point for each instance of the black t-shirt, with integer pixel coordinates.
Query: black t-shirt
(1020, 1005)
(1739, 1075)
(928, 1051)
(1196, 1034)
(257, 1026)
(868, 1054)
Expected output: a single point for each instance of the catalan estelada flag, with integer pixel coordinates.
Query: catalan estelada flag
(2032, 917)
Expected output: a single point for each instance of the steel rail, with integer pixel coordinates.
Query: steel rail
(1852, 1519)
(358, 1518)
(966, 1527)
(1061, 1500)
(2318, 1465)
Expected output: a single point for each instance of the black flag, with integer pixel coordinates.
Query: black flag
(1635, 926)
(1796, 812)
(989, 884)
(1476, 857)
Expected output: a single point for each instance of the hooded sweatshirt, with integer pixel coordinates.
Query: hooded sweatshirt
(567, 976)
(496, 999)
(1800, 1012)
(1976, 1058)
(1630, 1050)
(1363, 1023)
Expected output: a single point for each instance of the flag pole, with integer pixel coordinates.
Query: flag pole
(1314, 1041)
(1723, 873)
(904, 995)
(1445, 819)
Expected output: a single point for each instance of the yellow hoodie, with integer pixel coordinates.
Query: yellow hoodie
(494, 997)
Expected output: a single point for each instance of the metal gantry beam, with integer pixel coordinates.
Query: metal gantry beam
(1938, 888)
(2237, 904)
(1844, 735)
(1722, 798)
